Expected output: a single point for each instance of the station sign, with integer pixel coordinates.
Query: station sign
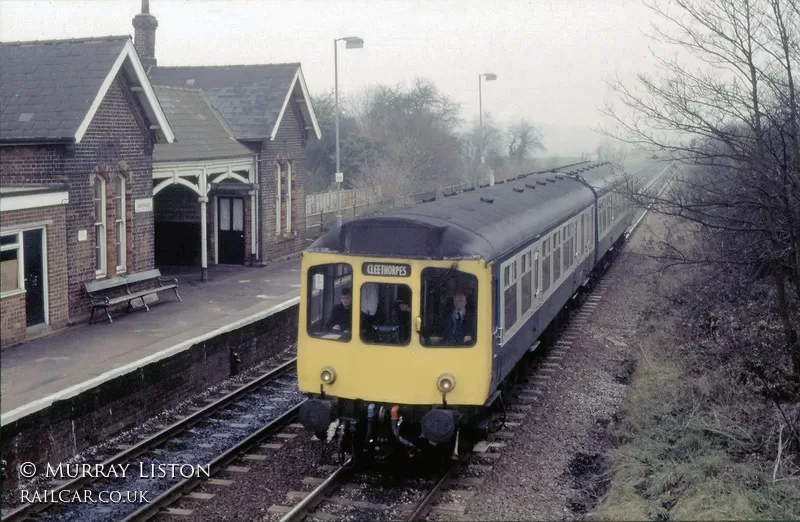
(386, 269)
(143, 205)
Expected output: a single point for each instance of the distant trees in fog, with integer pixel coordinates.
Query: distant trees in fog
(412, 138)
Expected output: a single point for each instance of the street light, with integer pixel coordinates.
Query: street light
(489, 77)
(351, 42)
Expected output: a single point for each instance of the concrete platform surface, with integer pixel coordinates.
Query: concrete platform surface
(35, 373)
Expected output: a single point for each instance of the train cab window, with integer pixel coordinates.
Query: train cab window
(385, 313)
(449, 306)
(330, 301)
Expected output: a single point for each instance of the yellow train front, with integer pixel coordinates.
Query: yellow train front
(411, 323)
(383, 349)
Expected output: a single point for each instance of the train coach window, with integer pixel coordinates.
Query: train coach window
(509, 296)
(385, 313)
(449, 308)
(557, 263)
(330, 301)
(527, 287)
(545, 274)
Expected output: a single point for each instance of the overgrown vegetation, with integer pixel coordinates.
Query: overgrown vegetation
(712, 427)
(706, 432)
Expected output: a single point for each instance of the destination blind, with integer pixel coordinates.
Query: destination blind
(386, 269)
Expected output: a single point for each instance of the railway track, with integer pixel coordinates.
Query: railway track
(406, 498)
(346, 494)
(206, 440)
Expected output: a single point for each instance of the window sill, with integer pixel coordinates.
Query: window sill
(12, 293)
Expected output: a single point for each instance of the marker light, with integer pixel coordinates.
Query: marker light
(328, 375)
(446, 383)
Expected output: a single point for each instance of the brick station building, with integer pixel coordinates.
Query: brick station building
(235, 181)
(110, 165)
(78, 123)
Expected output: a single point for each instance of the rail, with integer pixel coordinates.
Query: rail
(670, 173)
(26, 511)
(175, 492)
(313, 499)
(426, 503)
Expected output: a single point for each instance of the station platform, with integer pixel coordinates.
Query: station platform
(38, 372)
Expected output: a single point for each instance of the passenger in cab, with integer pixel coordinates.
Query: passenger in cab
(342, 314)
(459, 325)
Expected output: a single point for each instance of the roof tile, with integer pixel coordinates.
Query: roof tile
(47, 77)
(201, 133)
(249, 97)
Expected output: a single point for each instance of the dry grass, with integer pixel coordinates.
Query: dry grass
(698, 440)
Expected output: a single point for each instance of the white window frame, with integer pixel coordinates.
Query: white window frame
(100, 272)
(288, 197)
(121, 239)
(526, 258)
(547, 250)
(278, 200)
(18, 246)
(507, 283)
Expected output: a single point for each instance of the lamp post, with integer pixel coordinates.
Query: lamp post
(489, 77)
(351, 42)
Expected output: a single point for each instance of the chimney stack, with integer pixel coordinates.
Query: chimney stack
(144, 39)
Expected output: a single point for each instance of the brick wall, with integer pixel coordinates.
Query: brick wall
(36, 165)
(68, 426)
(118, 140)
(12, 319)
(289, 145)
(176, 204)
(12, 309)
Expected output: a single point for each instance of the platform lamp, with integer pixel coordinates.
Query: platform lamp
(351, 42)
(489, 77)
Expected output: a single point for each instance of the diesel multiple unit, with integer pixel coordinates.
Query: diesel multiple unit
(411, 322)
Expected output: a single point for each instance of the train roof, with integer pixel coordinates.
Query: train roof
(485, 223)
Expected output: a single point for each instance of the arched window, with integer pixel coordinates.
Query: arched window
(99, 201)
(278, 198)
(120, 222)
(288, 174)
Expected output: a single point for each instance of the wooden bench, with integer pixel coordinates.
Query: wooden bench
(94, 288)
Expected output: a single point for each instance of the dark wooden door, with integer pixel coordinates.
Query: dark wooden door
(34, 277)
(231, 230)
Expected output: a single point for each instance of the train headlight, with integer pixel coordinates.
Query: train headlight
(446, 382)
(328, 375)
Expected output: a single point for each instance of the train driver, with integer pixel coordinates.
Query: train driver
(459, 325)
(342, 314)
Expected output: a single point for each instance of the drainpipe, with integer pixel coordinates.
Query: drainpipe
(259, 224)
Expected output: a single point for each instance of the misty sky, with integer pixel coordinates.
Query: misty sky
(551, 57)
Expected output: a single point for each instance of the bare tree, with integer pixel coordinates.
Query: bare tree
(523, 139)
(733, 124)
